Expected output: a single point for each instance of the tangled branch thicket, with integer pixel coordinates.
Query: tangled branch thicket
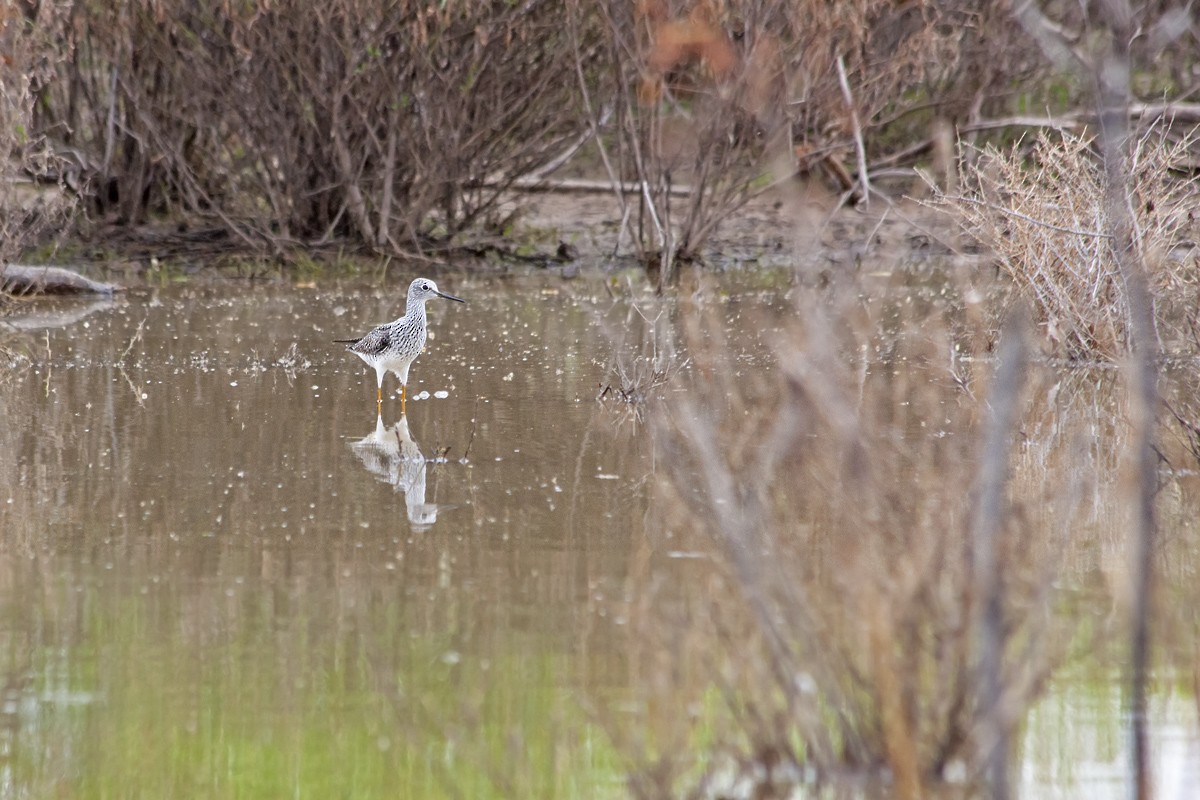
(27, 209)
(401, 125)
(389, 124)
(1040, 209)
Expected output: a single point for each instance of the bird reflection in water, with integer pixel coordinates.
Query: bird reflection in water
(391, 454)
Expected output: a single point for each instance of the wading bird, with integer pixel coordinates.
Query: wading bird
(396, 345)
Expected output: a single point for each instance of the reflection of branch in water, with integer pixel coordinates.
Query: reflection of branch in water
(138, 395)
(471, 440)
(292, 361)
(137, 337)
(391, 454)
(644, 359)
(49, 365)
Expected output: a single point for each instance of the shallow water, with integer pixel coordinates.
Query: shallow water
(222, 574)
(214, 549)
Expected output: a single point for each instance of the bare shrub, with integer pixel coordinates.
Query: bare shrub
(1040, 207)
(708, 100)
(393, 124)
(831, 632)
(31, 201)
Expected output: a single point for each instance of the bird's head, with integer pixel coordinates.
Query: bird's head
(425, 289)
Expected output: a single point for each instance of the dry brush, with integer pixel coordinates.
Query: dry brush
(394, 125)
(712, 101)
(1039, 206)
(846, 621)
(400, 126)
(31, 199)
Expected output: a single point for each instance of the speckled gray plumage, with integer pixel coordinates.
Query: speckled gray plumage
(403, 337)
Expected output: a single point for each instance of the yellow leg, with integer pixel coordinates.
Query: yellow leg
(403, 399)
(379, 396)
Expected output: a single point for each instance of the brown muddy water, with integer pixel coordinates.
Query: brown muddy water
(221, 574)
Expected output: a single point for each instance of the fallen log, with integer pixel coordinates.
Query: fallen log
(21, 280)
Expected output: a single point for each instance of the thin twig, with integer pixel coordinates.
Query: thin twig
(110, 122)
(356, 202)
(1027, 218)
(860, 149)
(389, 177)
(593, 122)
(572, 148)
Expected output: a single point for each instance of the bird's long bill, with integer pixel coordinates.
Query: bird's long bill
(451, 297)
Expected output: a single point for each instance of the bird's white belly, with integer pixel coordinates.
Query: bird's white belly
(399, 366)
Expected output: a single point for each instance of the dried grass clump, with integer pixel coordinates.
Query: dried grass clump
(1040, 209)
(842, 601)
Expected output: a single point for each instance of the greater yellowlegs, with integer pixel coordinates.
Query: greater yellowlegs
(395, 345)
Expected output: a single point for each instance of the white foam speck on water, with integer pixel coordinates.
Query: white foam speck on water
(422, 396)
(441, 394)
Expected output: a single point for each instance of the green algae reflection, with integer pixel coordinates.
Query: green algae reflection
(154, 700)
